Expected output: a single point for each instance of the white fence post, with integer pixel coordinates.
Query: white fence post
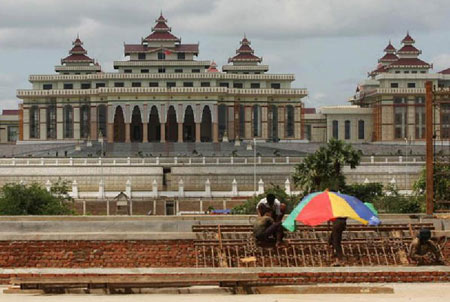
(48, 185)
(181, 188)
(260, 186)
(207, 188)
(75, 189)
(155, 188)
(287, 186)
(101, 189)
(128, 188)
(234, 188)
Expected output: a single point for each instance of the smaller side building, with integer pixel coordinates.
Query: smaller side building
(348, 123)
(9, 126)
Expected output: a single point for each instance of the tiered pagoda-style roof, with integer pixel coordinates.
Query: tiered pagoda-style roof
(161, 32)
(212, 67)
(405, 57)
(77, 54)
(408, 55)
(161, 39)
(245, 54)
(384, 61)
(78, 61)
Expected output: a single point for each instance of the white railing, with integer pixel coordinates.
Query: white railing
(161, 76)
(400, 90)
(192, 161)
(155, 90)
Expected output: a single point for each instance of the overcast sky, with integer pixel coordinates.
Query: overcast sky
(329, 45)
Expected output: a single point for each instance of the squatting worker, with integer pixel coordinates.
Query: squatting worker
(268, 224)
(423, 251)
(335, 240)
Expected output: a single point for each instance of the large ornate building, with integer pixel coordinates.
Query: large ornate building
(395, 96)
(160, 93)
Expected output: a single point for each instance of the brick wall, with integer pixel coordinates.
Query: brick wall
(83, 254)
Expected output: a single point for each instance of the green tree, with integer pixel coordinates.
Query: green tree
(20, 199)
(365, 192)
(393, 202)
(441, 182)
(323, 169)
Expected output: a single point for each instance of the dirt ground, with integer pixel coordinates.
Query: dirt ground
(402, 292)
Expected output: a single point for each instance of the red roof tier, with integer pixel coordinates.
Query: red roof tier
(245, 57)
(409, 62)
(380, 69)
(244, 48)
(161, 26)
(161, 36)
(78, 50)
(407, 39)
(389, 48)
(445, 71)
(389, 57)
(10, 112)
(77, 58)
(161, 18)
(409, 48)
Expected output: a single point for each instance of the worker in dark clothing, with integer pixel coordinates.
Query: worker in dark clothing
(268, 224)
(423, 251)
(335, 240)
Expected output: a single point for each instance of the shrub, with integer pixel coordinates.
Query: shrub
(19, 199)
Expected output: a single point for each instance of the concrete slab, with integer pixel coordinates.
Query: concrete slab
(411, 292)
(142, 270)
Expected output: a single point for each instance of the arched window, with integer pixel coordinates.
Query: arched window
(223, 120)
(256, 121)
(85, 120)
(34, 122)
(101, 119)
(289, 121)
(51, 122)
(347, 129)
(335, 129)
(360, 129)
(241, 121)
(68, 121)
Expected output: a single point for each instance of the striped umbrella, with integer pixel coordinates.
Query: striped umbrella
(319, 207)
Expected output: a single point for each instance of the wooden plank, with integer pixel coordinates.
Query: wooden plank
(170, 278)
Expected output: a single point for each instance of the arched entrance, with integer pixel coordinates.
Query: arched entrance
(119, 125)
(189, 125)
(171, 125)
(205, 128)
(136, 125)
(154, 126)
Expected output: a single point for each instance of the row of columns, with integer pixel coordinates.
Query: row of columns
(232, 124)
(110, 132)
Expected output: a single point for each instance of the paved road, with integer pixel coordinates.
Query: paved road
(402, 292)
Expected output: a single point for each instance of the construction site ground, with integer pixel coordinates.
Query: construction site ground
(400, 292)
